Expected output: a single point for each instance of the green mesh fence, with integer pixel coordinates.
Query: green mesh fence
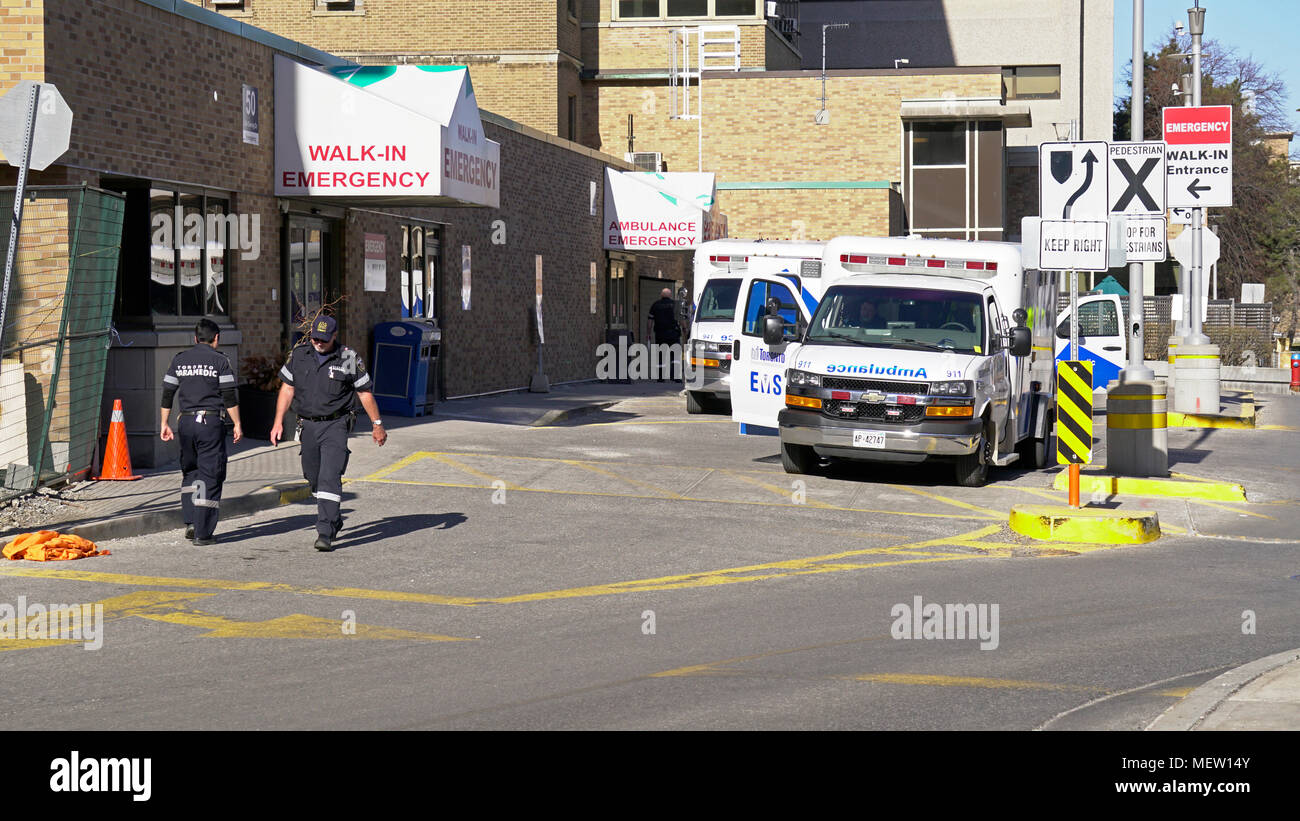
(57, 332)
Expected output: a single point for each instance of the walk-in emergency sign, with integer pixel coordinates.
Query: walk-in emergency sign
(1199, 156)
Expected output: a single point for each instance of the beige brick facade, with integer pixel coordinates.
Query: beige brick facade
(758, 129)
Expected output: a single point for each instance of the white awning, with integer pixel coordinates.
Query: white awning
(668, 211)
(395, 135)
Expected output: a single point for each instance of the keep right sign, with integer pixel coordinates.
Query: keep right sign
(1199, 155)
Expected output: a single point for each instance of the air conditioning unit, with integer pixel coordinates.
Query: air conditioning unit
(646, 160)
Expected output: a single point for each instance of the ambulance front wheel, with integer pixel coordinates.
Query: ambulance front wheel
(694, 404)
(973, 469)
(799, 458)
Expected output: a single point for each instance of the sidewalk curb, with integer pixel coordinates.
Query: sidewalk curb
(1153, 486)
(1198, 704)
(1087, 524)
(556, 416)
(141, 524)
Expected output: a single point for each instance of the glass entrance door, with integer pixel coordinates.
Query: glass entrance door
(312, 267)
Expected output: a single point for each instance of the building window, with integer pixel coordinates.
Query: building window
(339, 5)
(953, 179)
(939, 144)
(228, 5)
(1032, 82)
(573, 118)
(177, 253)
(665, 9)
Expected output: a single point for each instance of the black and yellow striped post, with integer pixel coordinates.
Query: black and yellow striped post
(1074, 419)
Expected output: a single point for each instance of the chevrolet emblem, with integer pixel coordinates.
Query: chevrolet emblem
(873, 397)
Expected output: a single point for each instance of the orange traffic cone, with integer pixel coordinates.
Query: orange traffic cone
(117, 458)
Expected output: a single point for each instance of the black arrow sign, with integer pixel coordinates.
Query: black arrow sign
(1135, 187)
(1089, 160)
(1194, 189)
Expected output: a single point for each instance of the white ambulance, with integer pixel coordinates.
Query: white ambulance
(918, 349)
(720, 265)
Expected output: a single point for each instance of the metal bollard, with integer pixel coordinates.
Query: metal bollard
(1137, 428)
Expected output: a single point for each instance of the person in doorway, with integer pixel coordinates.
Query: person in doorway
(205, 383)
(326, 378)
(663, 328)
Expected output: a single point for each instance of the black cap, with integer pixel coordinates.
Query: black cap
(323, 328)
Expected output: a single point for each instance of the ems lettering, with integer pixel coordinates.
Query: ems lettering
(765, 383)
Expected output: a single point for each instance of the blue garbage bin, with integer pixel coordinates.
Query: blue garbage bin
(404, 366)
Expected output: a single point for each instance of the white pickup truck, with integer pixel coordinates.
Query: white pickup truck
(918, 349)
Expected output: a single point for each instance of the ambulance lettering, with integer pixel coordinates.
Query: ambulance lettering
(765, 383)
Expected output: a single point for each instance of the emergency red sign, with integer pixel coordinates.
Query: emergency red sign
(1199, 155)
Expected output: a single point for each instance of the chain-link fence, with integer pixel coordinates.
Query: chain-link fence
(1243, 331)
(56, 333)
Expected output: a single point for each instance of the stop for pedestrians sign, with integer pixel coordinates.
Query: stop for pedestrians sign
(1199, 155)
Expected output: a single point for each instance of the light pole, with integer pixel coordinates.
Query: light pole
(1137, 368)
(823, 116)
(1195, 335)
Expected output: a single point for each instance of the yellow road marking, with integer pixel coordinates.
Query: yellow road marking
(687, 499)
(1220, 506)
(227, 584)
(778, 490)
(1275, 427)
(1046, 494)
(969, 681)
(927, 494)
(447, 460)
(396, 466)
(1175, 692)
(173, 607)
(636, 482)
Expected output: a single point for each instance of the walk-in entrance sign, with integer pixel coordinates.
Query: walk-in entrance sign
(1199, 155)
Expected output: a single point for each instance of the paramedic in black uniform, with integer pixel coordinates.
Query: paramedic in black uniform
(325, 378)
(205, 383)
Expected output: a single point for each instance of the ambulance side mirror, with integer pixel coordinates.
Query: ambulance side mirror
(773, 330)
(1021, 341)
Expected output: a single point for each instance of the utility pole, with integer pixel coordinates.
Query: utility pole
(1195, 334)
(1137, 368)
(823, 116)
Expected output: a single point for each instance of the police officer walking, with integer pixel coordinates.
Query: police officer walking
(205, 383)
(325, 378)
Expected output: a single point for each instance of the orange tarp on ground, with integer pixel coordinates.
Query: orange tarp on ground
(50, 545)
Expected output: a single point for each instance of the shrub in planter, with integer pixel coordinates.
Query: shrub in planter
(258, 395)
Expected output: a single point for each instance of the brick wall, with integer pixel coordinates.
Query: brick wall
(758, 128)
(22, 42)
(545, 197)
(411, 25)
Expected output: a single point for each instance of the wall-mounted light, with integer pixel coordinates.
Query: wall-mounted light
(901, 61)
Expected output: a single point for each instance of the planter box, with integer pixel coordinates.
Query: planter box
(257, 413)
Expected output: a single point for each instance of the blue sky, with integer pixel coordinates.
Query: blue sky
(1263, 29)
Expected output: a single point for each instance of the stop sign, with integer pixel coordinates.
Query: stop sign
(53, 124)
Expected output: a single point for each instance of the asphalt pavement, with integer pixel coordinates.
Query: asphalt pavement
(555, 501)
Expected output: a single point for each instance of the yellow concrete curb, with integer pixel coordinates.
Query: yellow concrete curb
(297, 494)
(1088, 524)
(1200, 420)
(1152, 486)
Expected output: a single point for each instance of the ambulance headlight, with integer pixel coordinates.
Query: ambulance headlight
(959, 387)
(803, 378)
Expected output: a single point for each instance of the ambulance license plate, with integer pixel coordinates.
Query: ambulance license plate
(868, 439)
